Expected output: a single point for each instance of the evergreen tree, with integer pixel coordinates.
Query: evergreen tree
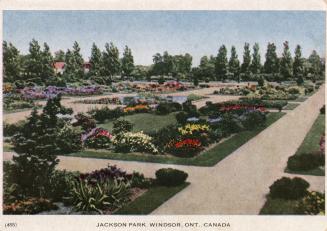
(37, 149)
(221, 63)
(96, 61)
(234, 64)
(11, 63)
(315, 65)
(256, 60)
(127, 62)
(47, 65)
(298, 67)
(245, 67)
(111, 62)
(34, 63)
(207, 68)
(59, 56)
(286, 63)
(74, 64)
(271, 65)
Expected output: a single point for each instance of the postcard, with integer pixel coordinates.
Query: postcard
(121, 116)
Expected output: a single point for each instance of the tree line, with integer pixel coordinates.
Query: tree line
(36, 67)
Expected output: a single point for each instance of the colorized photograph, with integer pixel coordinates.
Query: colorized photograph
(163, 112)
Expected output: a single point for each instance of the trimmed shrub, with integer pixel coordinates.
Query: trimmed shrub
(305, 162)
(322, 110)
(60, 182)
(122, 126)
(162, 137)
(181, 117)
(289, 189)
(12, 129)
(170, 177)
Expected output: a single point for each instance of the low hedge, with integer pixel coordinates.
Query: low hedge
(170, 177)
(305, 162)
(289, 189)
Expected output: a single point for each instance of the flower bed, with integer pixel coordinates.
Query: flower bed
(114, 100)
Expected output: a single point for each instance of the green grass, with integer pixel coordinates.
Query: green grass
(291, 106)
(300, 99)
(145, 122)
(150, 200)
(207, 158)
(7, 147)
(280, 207)
(311, 144)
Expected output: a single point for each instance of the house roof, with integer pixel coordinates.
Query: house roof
(59, 65)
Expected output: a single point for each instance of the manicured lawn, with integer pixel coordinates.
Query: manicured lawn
(300, 99)
(291, 106)
(279, 207)
(311, 144)
(145, 121)
(207, 158)
(150, 200)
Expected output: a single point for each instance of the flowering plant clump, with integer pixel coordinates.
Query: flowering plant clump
(238, 107)
(97, 138)
(313, 204)
(114, 100)
(138, 108)
(185, 147)
(134, 142)
(193, 129)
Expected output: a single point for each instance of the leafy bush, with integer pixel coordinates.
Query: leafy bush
(181, 117)
(12, 129)
(97, 138)
(68, 139)
(170, 177)
(122, 126)
(86, 122)
(305, 162)
(289, 189)
(313, 204)
(102, 114)
(322, 110)
(97, 196)
(253, 119)
(134, 142)
(11, 191)
(168, 107)
(162, 137)
(29, 206)
(293, 90)
(60, 182)
(139, 181)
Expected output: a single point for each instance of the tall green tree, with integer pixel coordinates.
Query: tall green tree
(158, 64)
(234, 64)
(95, 61)
(315, 65)
(256, 60)
(298, 65)
(245, 67)
(11, 63)
(37, 149)
(59, 56)
(286, 62)
(168, 63)
(207, 68)
(271, 65)
(34, 63)
(74, 63)
(47, 64)
(221, 63)
(111, 62)
(127, 62)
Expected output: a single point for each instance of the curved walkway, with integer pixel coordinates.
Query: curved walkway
(238, 184)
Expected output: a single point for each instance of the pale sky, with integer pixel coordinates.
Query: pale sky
(148, 32)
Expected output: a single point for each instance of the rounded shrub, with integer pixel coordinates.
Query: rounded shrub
(170, 177)
(289, 189)
(305, 162)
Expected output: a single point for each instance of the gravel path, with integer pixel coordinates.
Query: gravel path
(239, 183)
